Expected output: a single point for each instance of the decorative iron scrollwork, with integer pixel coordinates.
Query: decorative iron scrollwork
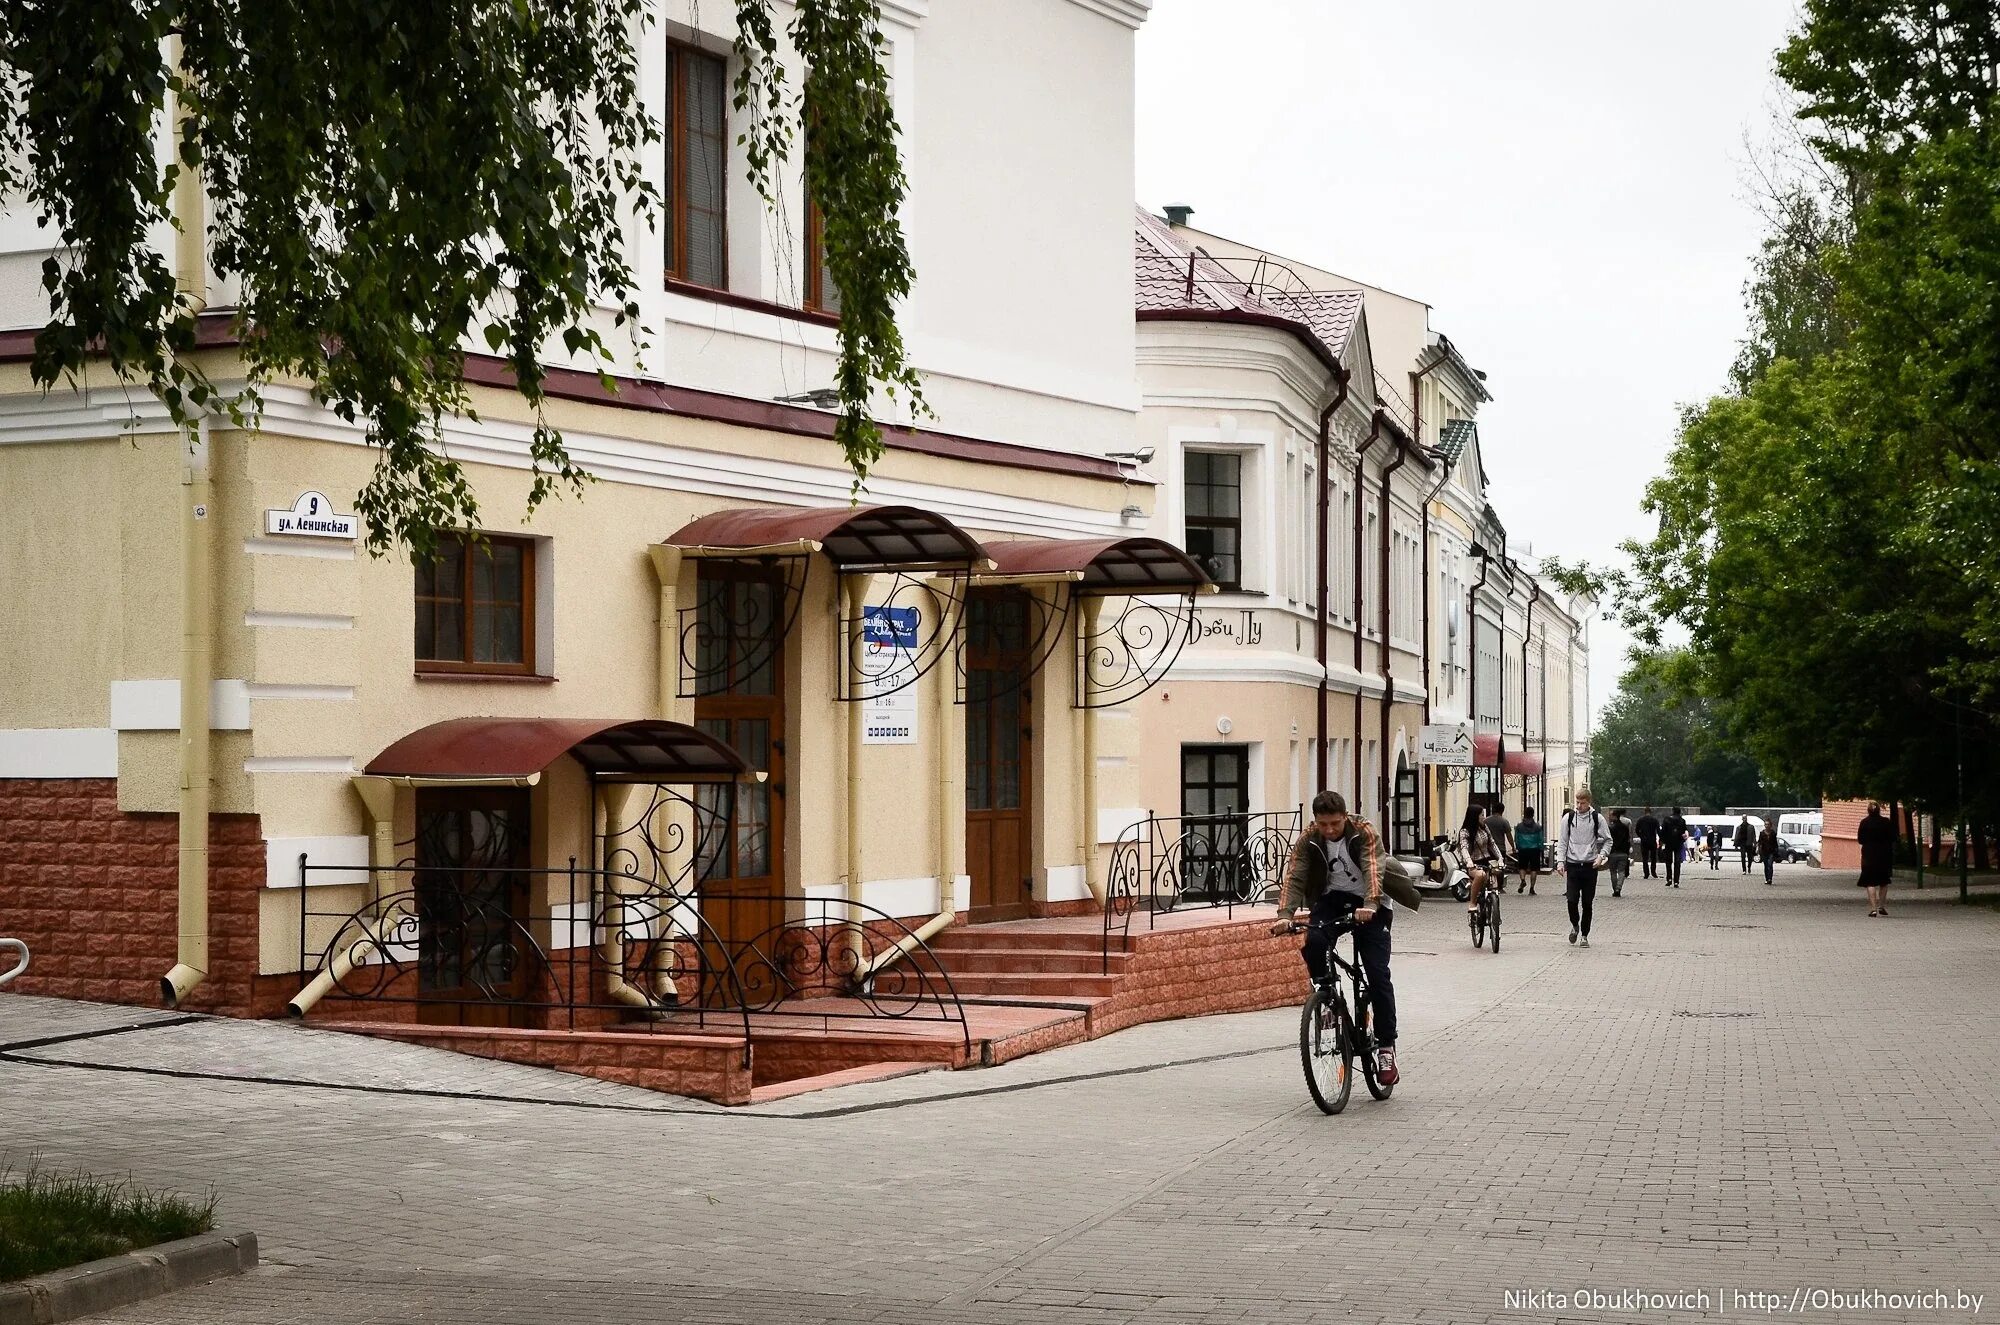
(906, 626)
(742, 615)
(1163, 864)
(1124, 657)
(1021, 627)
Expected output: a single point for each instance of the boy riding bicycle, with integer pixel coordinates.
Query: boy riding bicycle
(1336, 870)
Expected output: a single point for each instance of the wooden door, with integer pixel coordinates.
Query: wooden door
(740, 830)
(999, 753)
(475, 958)
(1215, 800)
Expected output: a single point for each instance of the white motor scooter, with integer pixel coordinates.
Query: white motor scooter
(1444, 869)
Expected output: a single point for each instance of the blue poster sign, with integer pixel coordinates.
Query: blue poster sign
(889, 627)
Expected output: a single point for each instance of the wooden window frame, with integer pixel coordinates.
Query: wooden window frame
(1190, 521)
(676, 136)
(816, 273)
(465, 667)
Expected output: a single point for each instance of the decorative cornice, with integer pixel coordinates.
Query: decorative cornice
(1131, 13)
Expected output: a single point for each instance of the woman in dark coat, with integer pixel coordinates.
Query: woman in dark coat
(1877, 838)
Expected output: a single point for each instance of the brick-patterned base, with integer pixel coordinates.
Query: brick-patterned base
(709, 1067)
(94, 893)
(1238, 967)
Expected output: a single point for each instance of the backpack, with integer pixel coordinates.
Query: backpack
(1595, 814)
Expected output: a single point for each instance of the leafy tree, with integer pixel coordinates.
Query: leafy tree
(1657, 745)
(392, 180)
(1827, 529)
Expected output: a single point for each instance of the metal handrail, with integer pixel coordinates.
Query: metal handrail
(547, 962)
(20, 966)
(1161, 862)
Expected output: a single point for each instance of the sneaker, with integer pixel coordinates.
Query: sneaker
(1583, 942)
(1572, 936)
(1385, 1065)
(1883, 912)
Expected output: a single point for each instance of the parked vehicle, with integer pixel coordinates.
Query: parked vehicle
(1443, 868)
(1799, 835)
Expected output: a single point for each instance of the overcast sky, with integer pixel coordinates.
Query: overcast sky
(1561, 180)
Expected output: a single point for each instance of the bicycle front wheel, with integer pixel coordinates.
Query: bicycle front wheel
(1493, 927)
(1326, 1049)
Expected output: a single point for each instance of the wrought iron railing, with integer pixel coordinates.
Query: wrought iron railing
(582, 949)
(1163, 864)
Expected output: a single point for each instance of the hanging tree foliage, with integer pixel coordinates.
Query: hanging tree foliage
(390, 179)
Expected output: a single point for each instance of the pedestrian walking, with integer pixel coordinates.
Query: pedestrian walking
(1621, 852)
(1585, 844)
(1714, 844)
(1648, 829)
(1673, 842)
(1746, 842)
(1877, 839)
(1767, 851)
(1528, 842)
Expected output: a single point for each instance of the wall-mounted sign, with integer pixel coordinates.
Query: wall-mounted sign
(1445, 743)
(1240, 627)
(889, 675)
(311, 516)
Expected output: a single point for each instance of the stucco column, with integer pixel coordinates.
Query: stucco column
(1086, 800)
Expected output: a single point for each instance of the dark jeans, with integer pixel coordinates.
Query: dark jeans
(1371, 942)
(1673, 852)
(1649, 860)
(1745, 853)
(1582, 892)
(1770, 867)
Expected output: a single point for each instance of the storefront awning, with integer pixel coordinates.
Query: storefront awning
(518, 749)
(854, 538)
(1107, 565)
(1486, 750)
(1522, 763)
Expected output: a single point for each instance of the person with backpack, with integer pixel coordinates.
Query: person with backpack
(1584, 842)
(1528, 842)
(1745, 842)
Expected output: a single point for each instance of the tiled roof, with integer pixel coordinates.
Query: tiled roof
(1455, 436)
(1168, 276)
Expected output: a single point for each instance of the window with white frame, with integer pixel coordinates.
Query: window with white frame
(1371, 572)
(1213, 490)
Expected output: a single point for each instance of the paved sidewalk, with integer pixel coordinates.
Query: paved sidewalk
(1737, 1089)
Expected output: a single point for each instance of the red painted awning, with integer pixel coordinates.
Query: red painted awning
(1486, 749)
(1108, 565)
(1525, 763)
(475, 748)
(853, 537)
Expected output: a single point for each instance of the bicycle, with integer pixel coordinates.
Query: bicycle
(1334, 1034)
(1486, 920)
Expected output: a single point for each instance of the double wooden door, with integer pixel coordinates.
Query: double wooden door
(999, 753)
(740, 830)
(475, 956)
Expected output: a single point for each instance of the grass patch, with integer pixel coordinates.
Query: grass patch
(52, 1220)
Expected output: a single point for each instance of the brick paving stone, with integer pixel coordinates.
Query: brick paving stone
(1735, 1088)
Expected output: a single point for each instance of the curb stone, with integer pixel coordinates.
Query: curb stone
(119, 1281)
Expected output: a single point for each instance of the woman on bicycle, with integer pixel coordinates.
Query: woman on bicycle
(1481, 855)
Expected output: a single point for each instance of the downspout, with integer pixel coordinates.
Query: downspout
(1472, 642)
(1424, 645)
(378, 795)
(197, 606)
(1325, 575)
(612, 799)
(1360, 477)
(950, 804)
(1527, 633)
(1093, 610)
(853, 590)
(1382, 616)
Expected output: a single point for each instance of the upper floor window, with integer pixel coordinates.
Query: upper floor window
(1215, 515)
(822, 294)
(697, 148)
(476, 607)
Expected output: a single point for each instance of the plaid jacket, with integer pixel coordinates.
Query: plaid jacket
(1306, 876)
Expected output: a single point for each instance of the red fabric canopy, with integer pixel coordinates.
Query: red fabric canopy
(1526, 763)
(1486, 750)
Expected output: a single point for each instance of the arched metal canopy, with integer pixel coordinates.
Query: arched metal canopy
(854, 538)
(497, 749)
(1107, 565)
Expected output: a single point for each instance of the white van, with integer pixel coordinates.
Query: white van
(1799, 835)
(1721, 823)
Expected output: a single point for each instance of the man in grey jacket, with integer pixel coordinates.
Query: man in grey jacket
(1585, 844)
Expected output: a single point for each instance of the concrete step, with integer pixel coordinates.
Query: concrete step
(985, 938)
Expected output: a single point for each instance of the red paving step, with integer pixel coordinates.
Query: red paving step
(988, 937)
(1031, 984)
(975, 960)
